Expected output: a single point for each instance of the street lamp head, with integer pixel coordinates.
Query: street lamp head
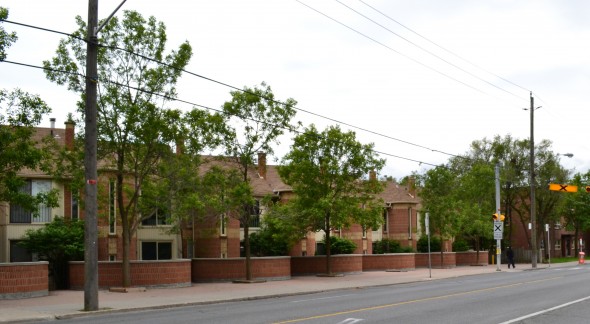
(569, 155)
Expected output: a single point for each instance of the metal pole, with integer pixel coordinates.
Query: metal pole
(90, 173)
(427, 225)
(548, 247)
(532, 180)
(498, 241)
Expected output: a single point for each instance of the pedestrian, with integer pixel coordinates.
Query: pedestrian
(510, 255)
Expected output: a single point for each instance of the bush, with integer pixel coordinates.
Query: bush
(423, 244)
(263, 243)
(460, 246)
(389, 246)
(340, 245)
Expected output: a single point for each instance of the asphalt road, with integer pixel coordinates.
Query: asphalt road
(554, 295)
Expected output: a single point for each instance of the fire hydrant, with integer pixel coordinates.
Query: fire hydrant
(581, 261)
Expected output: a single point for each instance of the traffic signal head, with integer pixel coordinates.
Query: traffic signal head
(498, 217)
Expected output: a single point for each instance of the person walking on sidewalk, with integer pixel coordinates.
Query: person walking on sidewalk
(510, 255)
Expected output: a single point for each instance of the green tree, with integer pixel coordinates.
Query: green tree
(256, 121)
(135, 131)
(575, 207)
(6, 38)
(58, 242)
(325, 171)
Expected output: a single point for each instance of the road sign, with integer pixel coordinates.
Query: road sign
(498, 230)
(563, 188)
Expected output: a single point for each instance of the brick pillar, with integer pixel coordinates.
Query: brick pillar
(70, 125)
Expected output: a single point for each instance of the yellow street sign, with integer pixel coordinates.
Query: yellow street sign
(563, 188)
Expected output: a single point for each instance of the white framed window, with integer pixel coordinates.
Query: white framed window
(156, 250)
(74, 205)
(558, 244)
(20, 215)
(158, 217)
(112, 207)
(385, 225)
(223, 225)
(409, 223)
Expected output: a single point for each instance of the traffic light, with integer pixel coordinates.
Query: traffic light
(498, 217)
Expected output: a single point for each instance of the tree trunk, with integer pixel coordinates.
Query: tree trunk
(328, 247)
(126, 252)
(247, 248)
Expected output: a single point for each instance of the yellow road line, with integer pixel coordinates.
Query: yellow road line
(411, 301)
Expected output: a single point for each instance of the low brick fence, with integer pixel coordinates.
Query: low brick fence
(264, 268)
(341, 263)
(449, 260)
(397, 261)
(160, 273)
(470, 258)
(24, 280)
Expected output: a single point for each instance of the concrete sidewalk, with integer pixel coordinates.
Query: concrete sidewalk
(70, 303)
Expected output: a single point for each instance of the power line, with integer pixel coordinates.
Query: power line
(444, 49)
(245, 91)
(199, 105)
(392, 49)
(427, 51)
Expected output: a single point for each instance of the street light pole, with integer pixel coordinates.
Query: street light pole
(532, 183)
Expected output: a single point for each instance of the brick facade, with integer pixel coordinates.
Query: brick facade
(24, 280)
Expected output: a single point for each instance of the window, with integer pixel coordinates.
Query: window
(74, 201)
(112, 257)
(410, 223)
(156, 250)
(19, 214)
(364, 232)
(385, 219)
(254, 215)
(558, 244)
(19, 254)
(223, 225)
(112, 207)
(157, 217)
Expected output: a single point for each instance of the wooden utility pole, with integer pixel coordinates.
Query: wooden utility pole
(532, 180)
(90, 173)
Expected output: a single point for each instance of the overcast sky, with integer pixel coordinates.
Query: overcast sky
(425, 75)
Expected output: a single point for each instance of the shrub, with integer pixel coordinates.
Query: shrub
(388, 246)
(423, 244)
(340, 245)
(460, 246)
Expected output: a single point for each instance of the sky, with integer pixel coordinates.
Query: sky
(416, 78)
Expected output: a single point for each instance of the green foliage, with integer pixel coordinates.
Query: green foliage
(265, 243)
(325, 171)
(422, 245)
(389, 246)
(20, 112)
(340, 245)
(6, 39)
(460, 246)
(58, 242)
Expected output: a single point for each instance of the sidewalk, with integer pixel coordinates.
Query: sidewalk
(70, 303)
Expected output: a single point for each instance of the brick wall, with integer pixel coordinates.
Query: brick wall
(470, 258)
(449, 260)
(24, 280)
(398, 261)
(267, 268)
(310, 265)
(168, 273)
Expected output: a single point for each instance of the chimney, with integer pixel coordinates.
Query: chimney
(52, 123)
(262, 165)
(372, 175)
(69, 141)
(412, 186)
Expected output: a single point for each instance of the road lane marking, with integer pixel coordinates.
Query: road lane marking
(411, 301)
(546, 310)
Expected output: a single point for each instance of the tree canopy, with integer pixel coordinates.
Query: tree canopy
(136, 127)
(326, 171)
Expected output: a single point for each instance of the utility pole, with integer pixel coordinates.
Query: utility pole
(498, 240)
(90, 173)
(532, 181)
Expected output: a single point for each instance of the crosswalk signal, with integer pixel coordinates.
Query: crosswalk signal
(498, 217)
